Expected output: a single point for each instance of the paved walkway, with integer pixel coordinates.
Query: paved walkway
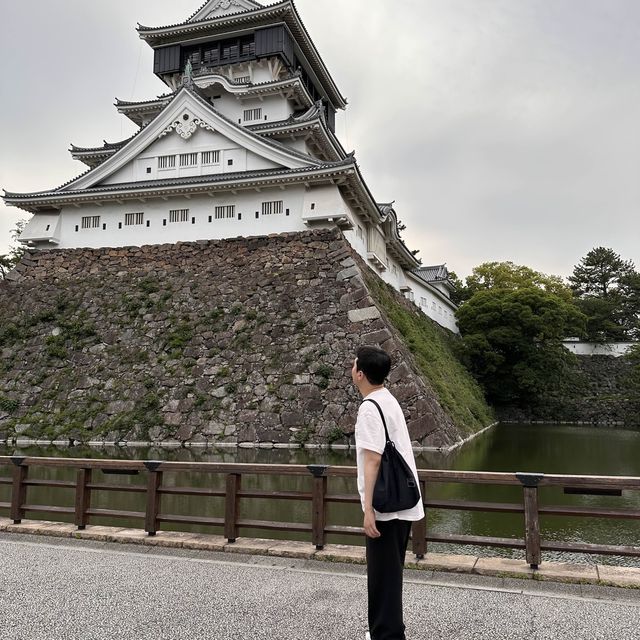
(67, 589)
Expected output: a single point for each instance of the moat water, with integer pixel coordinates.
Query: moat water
(549, 448)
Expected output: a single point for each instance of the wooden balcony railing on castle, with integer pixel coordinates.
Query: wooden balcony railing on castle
(317, 494)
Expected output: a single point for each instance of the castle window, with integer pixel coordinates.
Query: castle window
(252, 114)
(188, 159)
(166, 162)
(90, 222)
(272, 208)
(210, 157)
(243, 79)
(212, 56)
(133, 218)
(228, 211)
(230, 51)
(179, 215)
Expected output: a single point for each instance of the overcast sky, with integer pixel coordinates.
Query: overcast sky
(503, 129)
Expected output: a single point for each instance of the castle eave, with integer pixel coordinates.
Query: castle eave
(172, 188)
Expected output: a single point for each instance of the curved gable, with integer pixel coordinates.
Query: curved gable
(186, 116)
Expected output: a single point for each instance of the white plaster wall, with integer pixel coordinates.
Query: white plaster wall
(357, 236)
(274, 108)
(172, 144)
(324, 201)
(393, 274)
(615, 349)
(432, 305)
(200, 208)
(435, 307)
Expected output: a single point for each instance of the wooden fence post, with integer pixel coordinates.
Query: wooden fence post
(318, 505)
(419, 528)
(232, 506)
(154, 482)
(19, 490)
(83, 497)
(531, 517)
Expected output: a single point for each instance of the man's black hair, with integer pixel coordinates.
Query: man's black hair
(374, 363)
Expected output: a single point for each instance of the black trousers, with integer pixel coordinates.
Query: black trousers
(385, 564)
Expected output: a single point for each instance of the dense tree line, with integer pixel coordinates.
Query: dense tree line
(513, 321)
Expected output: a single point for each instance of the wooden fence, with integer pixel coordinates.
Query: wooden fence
(318, 529)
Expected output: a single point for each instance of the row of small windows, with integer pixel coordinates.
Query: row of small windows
(189, 159)
(223, 212)
(214, 53)
(435, 308)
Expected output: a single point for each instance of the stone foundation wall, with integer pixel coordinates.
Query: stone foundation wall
(599, 394)
(244, 340)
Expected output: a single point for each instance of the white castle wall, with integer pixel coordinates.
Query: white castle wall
(155, 230)
(274, 108)
(615, 349)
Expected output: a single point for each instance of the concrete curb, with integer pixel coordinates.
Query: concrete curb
(603, 575)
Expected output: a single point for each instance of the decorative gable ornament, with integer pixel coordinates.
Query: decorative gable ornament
(218, 8)
(186, 126)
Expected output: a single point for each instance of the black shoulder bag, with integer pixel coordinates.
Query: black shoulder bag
(396, 488)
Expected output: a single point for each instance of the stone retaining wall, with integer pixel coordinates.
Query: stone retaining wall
(599, 394)
(243, 340)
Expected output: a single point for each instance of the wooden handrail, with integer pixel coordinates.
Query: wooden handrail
(316, 494)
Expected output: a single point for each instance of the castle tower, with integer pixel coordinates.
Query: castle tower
(242, 143)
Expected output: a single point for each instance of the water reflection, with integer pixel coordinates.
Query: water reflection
(534, 448)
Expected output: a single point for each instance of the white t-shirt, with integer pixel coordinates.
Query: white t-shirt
(370, 435)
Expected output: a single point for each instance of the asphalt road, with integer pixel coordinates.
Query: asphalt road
(61, 589)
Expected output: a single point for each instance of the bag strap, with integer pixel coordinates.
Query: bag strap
(384, 422)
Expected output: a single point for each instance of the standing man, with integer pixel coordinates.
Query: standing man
(387, 533)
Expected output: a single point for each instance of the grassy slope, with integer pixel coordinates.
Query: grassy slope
(433, 350)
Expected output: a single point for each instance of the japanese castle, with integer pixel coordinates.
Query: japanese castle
(243, 143)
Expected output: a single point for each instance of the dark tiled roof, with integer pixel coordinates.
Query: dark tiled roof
(437, 273)
(107, 146)
(170, 182)
(190, 21)
(143, 103)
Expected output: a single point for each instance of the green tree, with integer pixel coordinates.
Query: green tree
(9, 260)
(457, 295)
(607, 290)
(510, 276)
(512, 342)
